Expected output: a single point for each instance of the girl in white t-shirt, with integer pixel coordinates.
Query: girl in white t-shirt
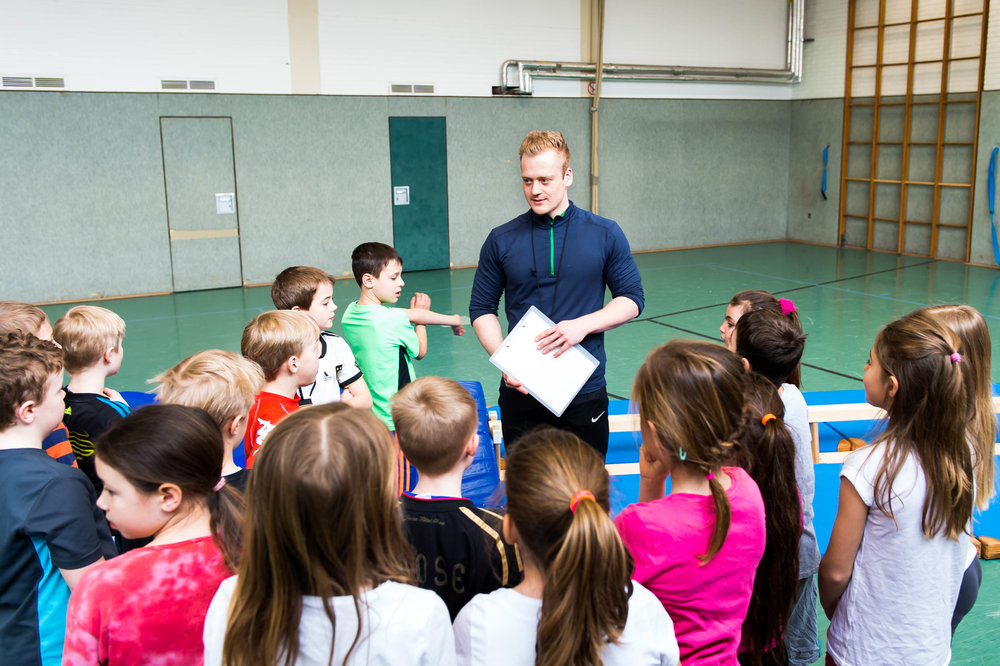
(324, 573)
(578, 603)
(890, 576)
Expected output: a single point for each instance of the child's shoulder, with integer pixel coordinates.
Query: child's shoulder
(358, 314)
(36, 489)
(83, 405)
(459, 508)
(35, 464)
(334, 347)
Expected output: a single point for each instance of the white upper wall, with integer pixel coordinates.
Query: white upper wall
(131, 45)
(364, 48)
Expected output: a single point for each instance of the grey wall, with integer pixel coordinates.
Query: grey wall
(678, 173)
(83, 202)
(814, 124)
(989, 138)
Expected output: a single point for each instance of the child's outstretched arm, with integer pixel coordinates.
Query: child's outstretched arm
(420, 314)
(837, 565)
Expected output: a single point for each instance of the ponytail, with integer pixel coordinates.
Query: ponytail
(723, 516)
(225, 508)
(767, 452)
(569, 536)
(590, 564)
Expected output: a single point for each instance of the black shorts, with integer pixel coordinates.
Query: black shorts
(586, 417)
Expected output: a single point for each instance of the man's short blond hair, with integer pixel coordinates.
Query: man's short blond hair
(296, 286)
(273, 337)
(434, 418)
(23, 317)
(85, 333)
(222, 383)
(539, 141)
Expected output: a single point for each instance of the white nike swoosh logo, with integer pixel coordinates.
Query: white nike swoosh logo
(594, 420)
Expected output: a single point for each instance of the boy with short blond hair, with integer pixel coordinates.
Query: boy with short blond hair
(51, 530)
(225, 385)
(459, 547)
(91, 340)
(339, 378)
(385, 339)
(285, 344)
(16, 316)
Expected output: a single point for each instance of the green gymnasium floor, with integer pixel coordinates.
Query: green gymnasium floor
(843, 297)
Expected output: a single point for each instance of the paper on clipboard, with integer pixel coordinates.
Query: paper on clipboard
(552, 381)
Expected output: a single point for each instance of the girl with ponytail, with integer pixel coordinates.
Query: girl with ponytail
(578, 603)
(767, 453)
(890, 577)
(162, 473)
(697, 547)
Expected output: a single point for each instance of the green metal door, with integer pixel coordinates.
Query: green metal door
(419, 167)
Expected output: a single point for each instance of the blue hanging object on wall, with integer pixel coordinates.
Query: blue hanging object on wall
(991, 189)
(826, 157)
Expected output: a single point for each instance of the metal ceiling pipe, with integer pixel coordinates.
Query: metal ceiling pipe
(516, 75)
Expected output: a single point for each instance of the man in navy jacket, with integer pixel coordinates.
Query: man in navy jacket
(560, 259)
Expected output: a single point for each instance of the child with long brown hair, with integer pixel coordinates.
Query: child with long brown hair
(976, 349)
(890, 577)
(767, 453)
(325, 572)
(696, 548)
(578, 603)
(162, 473)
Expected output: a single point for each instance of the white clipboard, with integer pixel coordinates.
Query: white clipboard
(552, 381)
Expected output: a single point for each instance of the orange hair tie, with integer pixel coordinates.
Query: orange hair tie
(767, 417)
(579, 497)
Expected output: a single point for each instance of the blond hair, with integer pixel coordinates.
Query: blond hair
(296, 286)
(434, 417)
(85, 333)
(974, 340)
(273, 337)
(323, 520)
(26, 363)
(220, 382)
(585, 565)
(18, 316)
(539, 141)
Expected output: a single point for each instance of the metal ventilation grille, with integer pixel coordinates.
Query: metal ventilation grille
(410, 88)
(202, 85)
(167, 84)
(49, 82)
(17, 82)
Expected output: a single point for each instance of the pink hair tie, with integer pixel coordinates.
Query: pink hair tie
(578, 497)
(710, 476)
(787, 307)
(956, 357)
(217, 487)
